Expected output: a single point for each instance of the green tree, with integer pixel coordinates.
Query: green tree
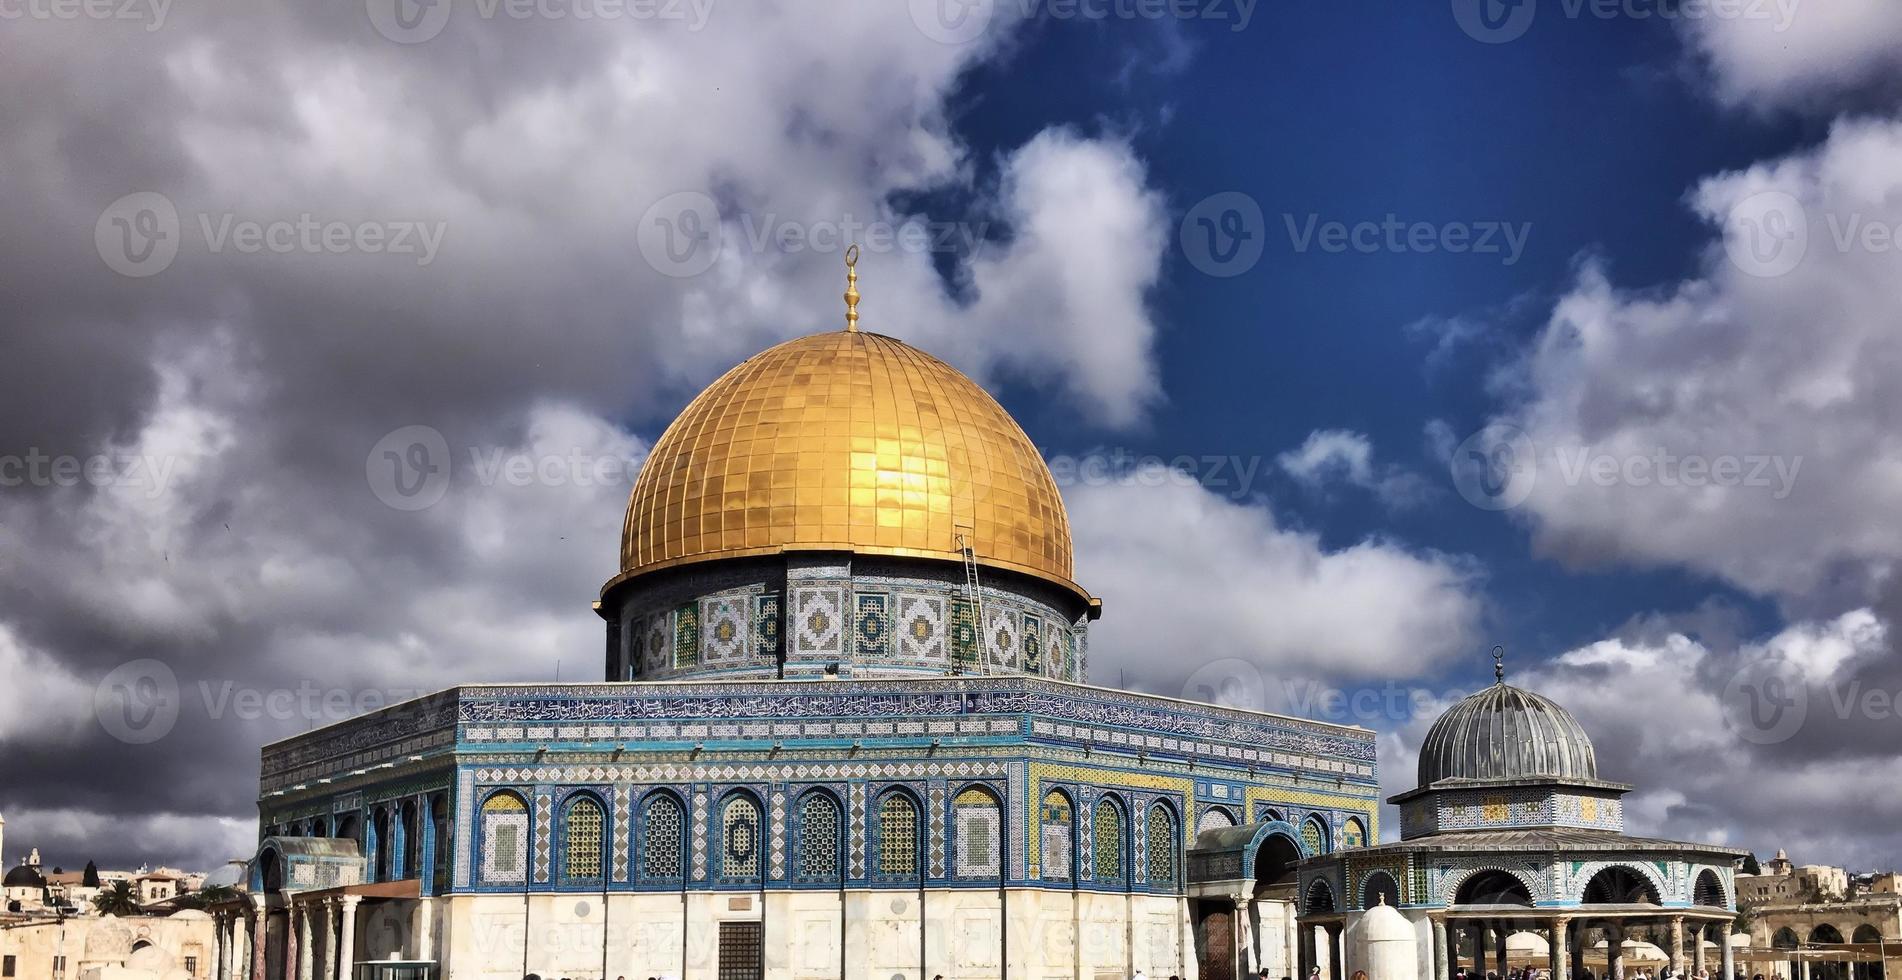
(118, 899)
(1750, 865)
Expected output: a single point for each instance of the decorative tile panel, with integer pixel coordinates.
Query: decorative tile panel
(921, 628)
(872, 627)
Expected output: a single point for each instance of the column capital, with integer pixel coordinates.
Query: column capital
(349, 902)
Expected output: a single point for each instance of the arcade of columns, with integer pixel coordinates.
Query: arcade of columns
(314, 924)
(1321, 941)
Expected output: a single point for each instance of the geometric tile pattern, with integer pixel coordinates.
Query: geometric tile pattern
(857, 852)
(1057, 826)
(872, 632)
(687, 635)
(777, 861)
(657, 654)
(700, 835)
(1001, 636)
(936, 841)
(818, 622)
(979, 841)
(765, 626)
(621, 830)
(723, 623)
(544, 807)
(921, 628)
(1033, 644)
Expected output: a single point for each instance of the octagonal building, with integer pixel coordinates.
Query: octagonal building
(844, 729)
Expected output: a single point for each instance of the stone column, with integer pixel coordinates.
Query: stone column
(1698, 963)
(1499, 952)
(1561, 946)
(260, 938)
(290, 942)
(306, 952)
(1723, 947)
(1333, 932)
(347, 938)
(1677, 944)
(241, 942)
(424, 929)
(1615, 949)
(329, 910)
(1442, 952)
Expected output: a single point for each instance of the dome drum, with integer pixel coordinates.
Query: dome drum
(817, 615)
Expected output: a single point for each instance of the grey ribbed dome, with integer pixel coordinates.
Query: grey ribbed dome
(1506, 733)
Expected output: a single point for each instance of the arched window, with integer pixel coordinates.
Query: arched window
(818, 837)
(584, 832)
(1161, 846)
(1058, 836)
(1213, 818)
(662, 825)
(504, 840)
(1107, 840)
(1379, 888)
(1320, 897)
(897, 836)
(1313, 837)
(976, 822)
(1709, 890)
(1353, 833)
(739, 838)
(1620, 886)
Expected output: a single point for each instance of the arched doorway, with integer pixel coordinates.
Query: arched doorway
(1827, 934)
(1620, 886)
(1866, 933)
(1272, 914)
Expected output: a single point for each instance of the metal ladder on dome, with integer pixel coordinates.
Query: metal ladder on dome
(974, 600)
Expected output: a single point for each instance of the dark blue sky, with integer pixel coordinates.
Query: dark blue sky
(1587, 130)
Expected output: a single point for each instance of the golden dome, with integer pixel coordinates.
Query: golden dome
(846, 441)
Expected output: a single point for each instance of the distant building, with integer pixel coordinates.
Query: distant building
(1824, 911)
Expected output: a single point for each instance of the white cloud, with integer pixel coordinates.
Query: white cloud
(1340, 456)
(1800, 53)
(1744, 420)
(1189, 578)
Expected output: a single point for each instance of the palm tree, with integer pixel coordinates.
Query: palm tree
(118, 900)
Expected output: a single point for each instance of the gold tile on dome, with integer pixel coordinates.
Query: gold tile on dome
(846, 439)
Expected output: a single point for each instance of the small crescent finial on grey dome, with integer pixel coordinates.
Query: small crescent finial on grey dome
(1499, 663)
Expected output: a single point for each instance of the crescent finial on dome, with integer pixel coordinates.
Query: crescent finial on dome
(852, 289)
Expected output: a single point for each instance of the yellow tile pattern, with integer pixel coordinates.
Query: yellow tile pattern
(849, 441)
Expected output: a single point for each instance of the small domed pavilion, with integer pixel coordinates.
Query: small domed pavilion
(1511, 830)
